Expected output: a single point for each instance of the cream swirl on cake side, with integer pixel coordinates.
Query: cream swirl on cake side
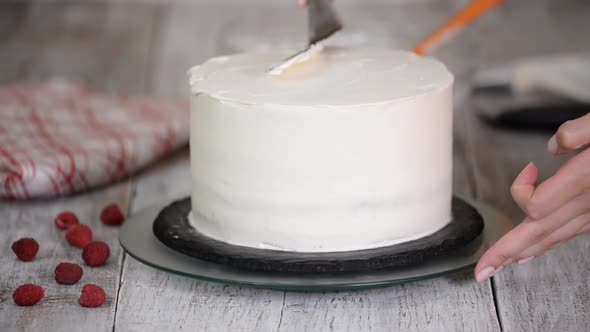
(350, 150)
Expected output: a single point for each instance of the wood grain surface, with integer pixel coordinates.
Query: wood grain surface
(59, 310)
(130, 46)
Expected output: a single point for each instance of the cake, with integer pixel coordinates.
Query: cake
(350, 150)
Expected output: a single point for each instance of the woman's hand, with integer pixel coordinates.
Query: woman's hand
(557, 209)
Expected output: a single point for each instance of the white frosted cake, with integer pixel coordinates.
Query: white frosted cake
(349, 150)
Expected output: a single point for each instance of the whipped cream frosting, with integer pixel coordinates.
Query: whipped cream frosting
(350, 150)
(334, 77)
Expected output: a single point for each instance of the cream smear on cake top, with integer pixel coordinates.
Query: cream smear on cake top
(338, 77)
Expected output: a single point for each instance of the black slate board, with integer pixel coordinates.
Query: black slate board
(501, 108)
(173, 229)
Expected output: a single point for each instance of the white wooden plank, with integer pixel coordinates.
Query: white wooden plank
(151, 300)
(454, 303)
(59, 310)
(549, 293)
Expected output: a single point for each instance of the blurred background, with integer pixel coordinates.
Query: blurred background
(147, 45)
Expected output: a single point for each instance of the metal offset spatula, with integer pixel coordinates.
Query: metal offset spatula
(323, 22)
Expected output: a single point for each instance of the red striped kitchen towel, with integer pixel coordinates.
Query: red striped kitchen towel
(58, 137)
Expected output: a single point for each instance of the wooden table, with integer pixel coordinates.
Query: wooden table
(145, 47)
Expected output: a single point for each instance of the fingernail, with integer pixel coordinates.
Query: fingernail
(522, 173)
(487, 273)
(484, 274)
(525, 260)
(552, 146)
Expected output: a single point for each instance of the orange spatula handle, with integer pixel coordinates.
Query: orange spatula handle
(467, 15)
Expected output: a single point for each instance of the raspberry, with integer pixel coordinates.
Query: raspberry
(79, 235)
(92, 296)
(112, 215)
(27, 295)
(95, 253)
(68, 273)
(25, 249)
(66, 220)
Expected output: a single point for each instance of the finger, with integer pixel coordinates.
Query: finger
(570, 136)
(526, 234)
(523, 186)
(561, 235)
(568, 182)
(581, 231)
